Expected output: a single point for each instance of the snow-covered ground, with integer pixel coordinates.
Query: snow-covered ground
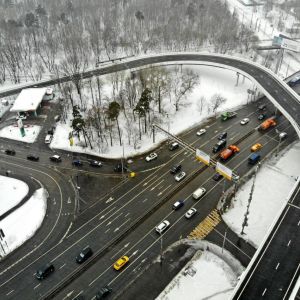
(268, 196)
(210, 274)
(13, 132)
(21, 225)
(212, 81)
(12, 192)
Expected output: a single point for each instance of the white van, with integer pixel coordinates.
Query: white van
(199, 193)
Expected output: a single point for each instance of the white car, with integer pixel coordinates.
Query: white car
(180, 176)
(151, 156)
(48, 138)
(190, 213)
(162, 226)
(282, 135)
(201, 131)
(245, 121)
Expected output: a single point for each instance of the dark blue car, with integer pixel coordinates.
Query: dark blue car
(77, 163)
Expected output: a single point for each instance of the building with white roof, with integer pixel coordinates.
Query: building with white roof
(29, 100)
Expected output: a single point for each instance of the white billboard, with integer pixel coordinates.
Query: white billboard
(223, 170)
(286, 43)
(202, 156)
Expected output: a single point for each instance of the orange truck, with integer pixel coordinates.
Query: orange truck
(267, 124)
(225, 154)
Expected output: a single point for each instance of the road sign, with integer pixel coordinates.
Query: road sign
(202, 156)
(223, 170)
(286, 43)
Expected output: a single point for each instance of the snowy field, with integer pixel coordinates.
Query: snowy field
(210, 274)
(13, 132)
(12, 192)
(268, 196)
(22, 224)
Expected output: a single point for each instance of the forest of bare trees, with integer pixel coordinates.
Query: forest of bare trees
(66, 37)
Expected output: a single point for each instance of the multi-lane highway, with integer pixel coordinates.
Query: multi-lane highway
(277, 267)
(114, 219)
(124, 223)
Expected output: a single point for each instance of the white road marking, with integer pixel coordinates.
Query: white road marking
(62, 266)
(68, 295)
(118, 228)
(114, 219)
(144, 200)
(127, 215)
(157, 185)
(122, 249)
(135, 252)
(164, 190)
(264, 292)
(106, 231)
(277, 266)
(36, 286)
(298, 223)
(288, 243)
(11, 292)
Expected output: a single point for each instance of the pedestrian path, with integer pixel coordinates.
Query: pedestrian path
(206, 226)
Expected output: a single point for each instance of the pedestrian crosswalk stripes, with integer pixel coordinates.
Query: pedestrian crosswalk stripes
(206, 226)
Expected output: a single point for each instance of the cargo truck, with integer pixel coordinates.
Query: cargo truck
(227, 153)
(267, 124)
(228, 115)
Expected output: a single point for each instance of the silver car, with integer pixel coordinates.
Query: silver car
(190, 213)
(180, 176)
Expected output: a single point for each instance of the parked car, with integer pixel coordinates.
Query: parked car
(201, 131)
(120, 167)
(282, 135)
(222, 136)
(245, 121)
(294, 81)
(262, 107)
(77, 163)
(85, 254)
(177, 204)
(217, 177)
(121, 262)
(95, 163)
(162, 226)
(51, 130)
(218, 146)
(21, 116)
(10, 152)
(175, 169)
(55, 158)
(44, 271)
(151, 156)
(180, 176)
(48, 138)
(261, 117)
(104, 291)
(33, 157)
(191, 212)
(256, 147)
(173, 146)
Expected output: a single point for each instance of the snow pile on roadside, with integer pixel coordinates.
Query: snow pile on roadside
(13, 133)
(213, 279)
(22, 224)
(273, 182)
(12, 192)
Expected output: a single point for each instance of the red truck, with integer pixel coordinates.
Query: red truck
(225, 154)
(267, 124)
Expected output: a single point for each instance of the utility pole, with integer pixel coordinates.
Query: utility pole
(245, 222)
